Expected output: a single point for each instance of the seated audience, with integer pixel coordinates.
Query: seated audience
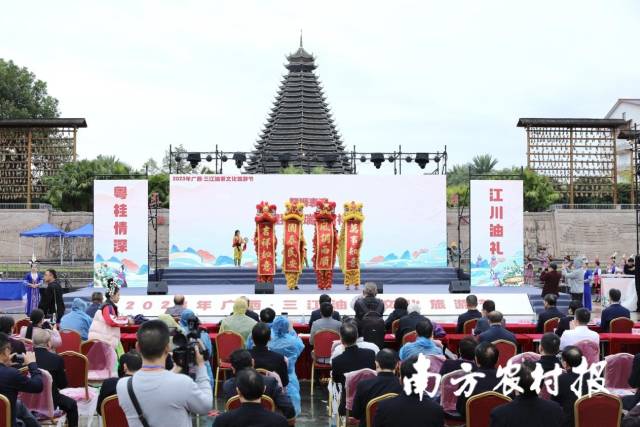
(6, 326)
(551, 280)
(325, 322)
(241, 360)
(466, 354)
(614, 310)
(188, 319)
(250, 313)
(409, 410)
(549, 348)
(166, 398)
(632, 418)
(580, 330)
(483, 323)
(385, 382)
(371, 328)
(400, 306)
(486, 360)
(128, 364)
(368, 302)
(565, 322)
(96, 301)
(550, 311)
(408, 323)
(629, 402)
(286, 342)
(267, 315)
(12, 381)
(315, 314)
(38, 322)
(178, 307)
(265, 358)
(54, 364)
(352, 359)
(77, 320)
(496, 331)
(238, 322)
(527, 409)
(423, 344)
(471, 313)
(571, 359)
(360, 342)
(250, 386)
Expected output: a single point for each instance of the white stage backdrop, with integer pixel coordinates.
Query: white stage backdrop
(496, 233)
(405, 216)
(120, 216)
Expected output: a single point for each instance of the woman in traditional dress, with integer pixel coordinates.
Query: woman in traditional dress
(529, 274)
(597, 273)
(239, 245)
(106, 322)
(32, 281)
(290, 346)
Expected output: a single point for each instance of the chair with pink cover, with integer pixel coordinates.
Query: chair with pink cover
(447, 398)
(102, 360)
(436, 362)
(42, 403)
(527, 356)
(590, 350)
(351, 380)
(617, 371)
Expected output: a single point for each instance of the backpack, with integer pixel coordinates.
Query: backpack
(372, 328)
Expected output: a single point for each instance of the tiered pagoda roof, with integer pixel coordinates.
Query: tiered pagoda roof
(300, 130)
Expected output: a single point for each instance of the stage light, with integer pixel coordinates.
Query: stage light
(363, 158)
(391, 159)
(330, 159)
(408, 159)
(377, 159)
(239, 158)
(422, 159)
(284, 159)
(194, 159)
(224, 158)
(178, 158)
(436, 159)
(209, 158)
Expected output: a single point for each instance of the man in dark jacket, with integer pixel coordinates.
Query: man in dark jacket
(129, 364)
(371, 328)
(315, 314)
(265, 358)
(466, 354)
(483, 323)
(471, 313)
(486, 359)
(629, 402)
(400, 306)
(51, 300)
(550, 311)
(96, 302)
(408, 323)
(614, 310)
(496, 330)
(549, 348)
(571, 359)
(565, 322)
(368, 302)
(551, 280)
(385, 382)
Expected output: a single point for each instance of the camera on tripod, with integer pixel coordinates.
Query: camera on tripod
(184, 351)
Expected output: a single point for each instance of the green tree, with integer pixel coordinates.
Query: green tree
(483, 164)
(539, 193)
(458, 174)
(292, 170)
(160, 184)
(151, 167)
(22, 96)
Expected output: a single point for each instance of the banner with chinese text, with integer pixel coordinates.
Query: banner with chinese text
(497, 256)
(120, 241)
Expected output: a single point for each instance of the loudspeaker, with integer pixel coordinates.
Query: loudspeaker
(157, 288)
(263, 288)
(379, 286)
(459, 287)
(462, 275)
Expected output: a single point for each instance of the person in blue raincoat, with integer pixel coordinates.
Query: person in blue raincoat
(204, 338)
(290, 345)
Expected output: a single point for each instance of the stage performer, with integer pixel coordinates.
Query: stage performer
(265, 241)
(294, 251)
(239, 245)
(325, 243)
(32, 281)
(350, 243)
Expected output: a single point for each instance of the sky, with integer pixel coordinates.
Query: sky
(420, 74)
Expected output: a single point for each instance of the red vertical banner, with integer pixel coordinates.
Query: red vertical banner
(325, 255)
(352, 245)
(292, 254)
(266, 248)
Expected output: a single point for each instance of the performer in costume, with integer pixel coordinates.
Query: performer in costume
(294, 251)
(325, 243)
(350, 243)
(239, 245)
(265, 241)
(32, 281)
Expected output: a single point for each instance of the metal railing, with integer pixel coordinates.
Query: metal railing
(609, 206)
(26, 206)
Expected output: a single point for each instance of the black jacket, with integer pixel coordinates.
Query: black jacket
(271, 361)
(371, 328)
(54, 364)
(634, 381)
(567, 398)
(315, 315)
(385, 382)
(548, 363)
(51, 300)
(527, 411)
(107, 389)
(250, 415)
(272, 389)
(612, 312)
(497, 332)
(549, 313)
(396, 314)
(408, 324)
(352, 359)
(484, 384)
(451, 365)
(12, 382)
(367, 304)
(409, 411)
(564, 325)
(464, 317)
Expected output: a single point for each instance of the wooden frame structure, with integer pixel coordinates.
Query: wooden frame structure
(578, 155)
(31, 149)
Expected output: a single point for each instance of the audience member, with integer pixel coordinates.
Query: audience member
(166, 398)
(360, 342)
(315, 314)
(371, 328)
(77, 320)
(400, 306)
(128, 364)
(629, 267)
(189, 322)
(527, 409)
(466, 354)
(471, 313)
(385, 382)
(486, 360)
(325, 322)
(250, 313)
(352, 359)
(267, 315)
(12, 381)
(238, 322)
(265, 358)
(565, 322)
(483, 323)
(51, 301)
(107, 321)
(549, 348)
(614, 310)
(96, 301)
(6, 326)
(285, 342)
(408, 323)
(240, 360)
(409, 410)
(178, 307)
(550, 312)
(580, 330)
(250, 386)
(497, 331)
(423, 344)
(551, 280)
(368, 302)
(38, 322)
(54, 364)
(571, 359)
(629, 402)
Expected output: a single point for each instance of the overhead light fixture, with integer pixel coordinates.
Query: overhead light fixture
(377, 159)
(363, 158)
(194, 159)
(422, 159)
(239, 158)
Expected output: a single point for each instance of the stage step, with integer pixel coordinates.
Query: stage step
(538, 304)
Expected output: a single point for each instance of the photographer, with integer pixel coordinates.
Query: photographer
(161, 397)
(191, 326)
(39, 322)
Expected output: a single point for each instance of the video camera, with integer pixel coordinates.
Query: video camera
(184, 346)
